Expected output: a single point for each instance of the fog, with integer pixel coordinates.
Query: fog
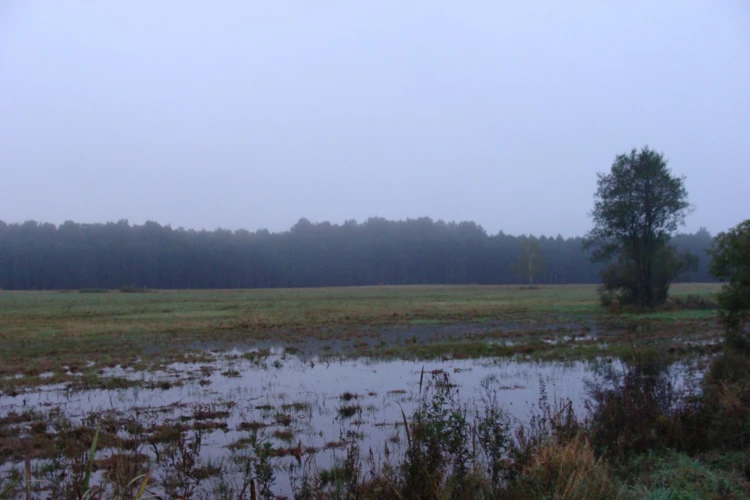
(253, 114)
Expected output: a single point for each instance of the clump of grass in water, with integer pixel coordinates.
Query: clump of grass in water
(184, 470)
(327, 477)
(284, 435)
(79, 486)
(348, 411)
(348, 396)
(283, 419)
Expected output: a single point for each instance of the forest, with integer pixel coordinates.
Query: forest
(40, 256)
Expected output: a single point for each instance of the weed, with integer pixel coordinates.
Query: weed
(328, 477)
(284, 435)
(182, 466)
(348, 396)
(298, 406)
(492, 431)
(348, 411)
(283, 419)
(263, 469)
(251, 426)
(438, 438)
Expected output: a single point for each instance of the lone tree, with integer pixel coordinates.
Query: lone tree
(731, 264)
(637, 207)
(531, 261)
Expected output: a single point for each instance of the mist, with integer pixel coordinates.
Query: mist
(252, 115)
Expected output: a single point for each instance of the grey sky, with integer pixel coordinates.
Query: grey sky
(253, 114)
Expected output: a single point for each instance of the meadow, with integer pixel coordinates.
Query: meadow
(43, 332)
(337, 392)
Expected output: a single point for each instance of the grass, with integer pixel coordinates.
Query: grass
(677, 475)
(447, 449)
(348, 411)
(51, 331)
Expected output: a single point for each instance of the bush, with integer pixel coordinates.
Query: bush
(607, 298)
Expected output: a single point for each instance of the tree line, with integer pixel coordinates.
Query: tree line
(35, 256)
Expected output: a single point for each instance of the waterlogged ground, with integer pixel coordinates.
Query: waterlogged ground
(60, 332)
(303, 407)
(308, 410)
(192, 389)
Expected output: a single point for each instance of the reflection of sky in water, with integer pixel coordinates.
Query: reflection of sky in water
(320, 386)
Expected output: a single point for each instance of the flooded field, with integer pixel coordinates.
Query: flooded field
(308, 412)
(301, 407)
(275, 407)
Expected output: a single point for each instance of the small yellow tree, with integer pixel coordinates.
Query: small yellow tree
(531, 263)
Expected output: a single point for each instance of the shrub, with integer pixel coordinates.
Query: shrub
(731, 264)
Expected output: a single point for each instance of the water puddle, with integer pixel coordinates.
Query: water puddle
(307, 407)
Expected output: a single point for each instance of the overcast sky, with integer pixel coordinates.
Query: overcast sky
(252, 114)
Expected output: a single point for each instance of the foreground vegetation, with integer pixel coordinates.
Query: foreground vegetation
(642, 437)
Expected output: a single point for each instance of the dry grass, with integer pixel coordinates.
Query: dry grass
(565, 470)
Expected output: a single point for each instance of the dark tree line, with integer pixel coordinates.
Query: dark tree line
(376, 252)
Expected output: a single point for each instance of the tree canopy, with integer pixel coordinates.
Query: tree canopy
(638, 206)
(731, 264)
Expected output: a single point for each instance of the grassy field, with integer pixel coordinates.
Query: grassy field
(59, 332)
(283, 389)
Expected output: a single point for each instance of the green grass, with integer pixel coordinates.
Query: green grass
(680, 315)
(45, 331)
(677, 476)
